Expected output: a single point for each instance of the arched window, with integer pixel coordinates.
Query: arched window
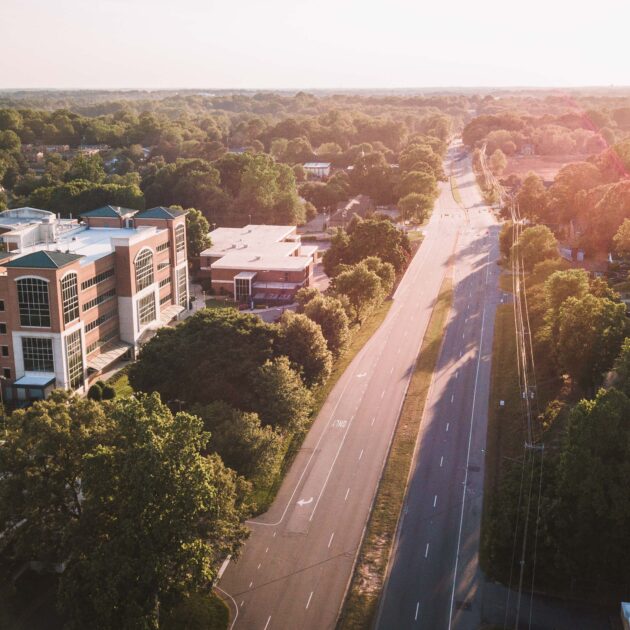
(33, 303)
(180, 238)
(70, 297)
(144, 269)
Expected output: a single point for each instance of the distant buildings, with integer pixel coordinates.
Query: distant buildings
(317, 169)
(75, 297)
(262, 263)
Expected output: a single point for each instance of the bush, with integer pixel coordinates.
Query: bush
(108, 392)
(96, 391)
(199, 611)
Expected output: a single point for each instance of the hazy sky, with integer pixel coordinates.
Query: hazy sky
(312, 44)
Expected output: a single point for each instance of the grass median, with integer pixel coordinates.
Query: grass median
(369, 573)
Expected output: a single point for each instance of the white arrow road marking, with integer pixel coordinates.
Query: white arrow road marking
(363, 374)
(302, 502)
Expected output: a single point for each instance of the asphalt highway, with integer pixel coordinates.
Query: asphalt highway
(434, 580)
(294, 569)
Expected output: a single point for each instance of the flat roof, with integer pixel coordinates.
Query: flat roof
(317, 165)
(93, 243)
(248, 262)
(258, 238)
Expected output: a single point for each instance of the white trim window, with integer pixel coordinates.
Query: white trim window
(37, 353)
(74, 359)
(182, 287)
(70, 297)
(33, 302)
(146, 310)
(180, 238)
(144, 269)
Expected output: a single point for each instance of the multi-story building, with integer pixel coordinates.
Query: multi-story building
(77, 296)
(260, 263)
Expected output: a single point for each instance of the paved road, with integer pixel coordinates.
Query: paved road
(295, 567)
(434, 579)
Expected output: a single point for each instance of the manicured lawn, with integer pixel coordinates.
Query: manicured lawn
(415, 236)
(216, 303)
(120, 383)
(367, 581)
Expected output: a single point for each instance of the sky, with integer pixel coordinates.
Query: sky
(300, 44)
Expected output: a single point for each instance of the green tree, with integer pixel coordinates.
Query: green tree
(336, 254)
(280, 397)
(212, 355)
(417, 182)
(362, 288)
(622, 367)
(621, 240)
(197, 229)
(590, 333)
(86, 167)
(303, 342)
(42, 460)
(534, 245)
(252, 450)
(532, 197)
(331, 316)
(157, 518)
(384, 270)
(498, 162)
(592, 516)
(415, 205)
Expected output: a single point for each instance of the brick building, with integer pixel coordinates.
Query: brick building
(260, 263)
(77, 296)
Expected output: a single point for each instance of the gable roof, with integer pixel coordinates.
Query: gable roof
(160, 212)
(108, 212)
(43, 260)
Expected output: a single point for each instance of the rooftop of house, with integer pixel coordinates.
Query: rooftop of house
(256, 239)
(160, 212)
(317, 165)
(43, 259)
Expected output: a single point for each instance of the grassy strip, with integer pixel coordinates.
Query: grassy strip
(505, 429)
(455, 191)
(263, 495)
(120, 383)
(369, 573)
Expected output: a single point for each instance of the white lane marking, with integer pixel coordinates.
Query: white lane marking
(267, 624)
(391, 369)
(235, 605)
(472, 418)
(426, 551)
(460, 354)
(309, 600)
(435, 500)
(331, 539)
(347, 493)
(274, 534)
(372, 423)
(448, 424)
(463, 335)
(398, 351)
(441, 461)
(242, 603)
(417, 608)
(456, 373)
(383, 394)
(250, 584)
(360, 454)
(452, 398)
(258, 569)
(267, 550)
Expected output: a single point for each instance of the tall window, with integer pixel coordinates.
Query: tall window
(242, 289)
(180, 238)
(74, 359)
(146, 309)
(33, 303)
(70, 297)
(38, 354)
(182, 288)
(144, 269)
